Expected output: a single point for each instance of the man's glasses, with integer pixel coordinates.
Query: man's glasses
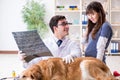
(64, 24)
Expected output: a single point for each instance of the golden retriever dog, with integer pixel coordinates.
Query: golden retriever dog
(85, 68)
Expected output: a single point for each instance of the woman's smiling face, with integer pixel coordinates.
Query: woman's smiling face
(93, 16)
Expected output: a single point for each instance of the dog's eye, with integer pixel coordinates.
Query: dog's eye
(32, 77)
(23, 76)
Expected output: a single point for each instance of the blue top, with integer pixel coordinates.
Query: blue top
(104, 31)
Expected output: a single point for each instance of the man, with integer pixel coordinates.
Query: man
(66, 49)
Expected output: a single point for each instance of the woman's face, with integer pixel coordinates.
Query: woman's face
(93, 16)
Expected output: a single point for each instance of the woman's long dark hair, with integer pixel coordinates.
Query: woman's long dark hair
(94, 27)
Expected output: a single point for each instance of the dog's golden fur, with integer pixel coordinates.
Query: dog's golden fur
(85, 68)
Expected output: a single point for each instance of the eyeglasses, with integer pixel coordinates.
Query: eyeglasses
(64, 24)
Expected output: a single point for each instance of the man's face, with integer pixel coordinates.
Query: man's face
(62, 28)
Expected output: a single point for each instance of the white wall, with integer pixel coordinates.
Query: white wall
(11, 20)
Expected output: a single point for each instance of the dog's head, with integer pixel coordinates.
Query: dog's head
(52, 69)
(32, 73)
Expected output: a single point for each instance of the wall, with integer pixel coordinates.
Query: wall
(11, 20)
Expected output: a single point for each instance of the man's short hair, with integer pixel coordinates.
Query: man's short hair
(54, 21)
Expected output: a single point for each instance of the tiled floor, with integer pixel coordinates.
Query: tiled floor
(10, 62)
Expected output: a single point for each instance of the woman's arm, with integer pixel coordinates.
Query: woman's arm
(101, 44)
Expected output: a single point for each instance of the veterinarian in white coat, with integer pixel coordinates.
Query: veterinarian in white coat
(67, 50)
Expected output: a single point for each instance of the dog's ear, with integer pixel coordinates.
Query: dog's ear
(50, 69)
(36, 73)
(33, 73)
(56, 70)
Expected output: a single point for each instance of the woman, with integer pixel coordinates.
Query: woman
(98, 32)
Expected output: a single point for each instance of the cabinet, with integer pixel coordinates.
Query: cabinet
(74, 10)
(115, 22)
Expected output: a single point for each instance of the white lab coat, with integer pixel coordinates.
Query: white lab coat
(68, 47)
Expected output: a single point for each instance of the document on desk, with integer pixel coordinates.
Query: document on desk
(30, 43)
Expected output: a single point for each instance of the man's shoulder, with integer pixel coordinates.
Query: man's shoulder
(48, 40)
(70, 41)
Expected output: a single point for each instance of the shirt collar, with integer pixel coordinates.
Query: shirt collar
(56, 39)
